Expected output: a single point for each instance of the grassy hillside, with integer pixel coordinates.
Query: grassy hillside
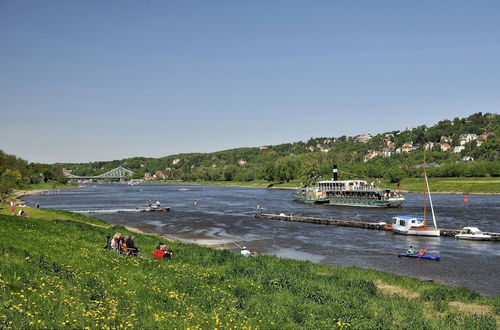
(55, 274)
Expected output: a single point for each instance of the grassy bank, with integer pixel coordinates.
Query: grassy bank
(55, 274)
(450, 185)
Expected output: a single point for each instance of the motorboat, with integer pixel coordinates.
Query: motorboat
(473, 234)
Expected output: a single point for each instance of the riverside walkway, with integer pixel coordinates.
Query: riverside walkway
(352, 223)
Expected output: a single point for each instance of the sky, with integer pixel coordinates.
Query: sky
(88, 80)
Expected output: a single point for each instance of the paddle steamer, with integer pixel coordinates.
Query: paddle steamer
(348, 193)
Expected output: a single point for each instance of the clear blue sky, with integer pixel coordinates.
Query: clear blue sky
(100, 80)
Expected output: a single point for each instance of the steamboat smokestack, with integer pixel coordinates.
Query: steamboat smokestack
(334, 172)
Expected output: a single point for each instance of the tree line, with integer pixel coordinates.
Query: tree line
(17, 173)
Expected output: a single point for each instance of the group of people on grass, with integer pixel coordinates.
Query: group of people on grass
(22, 213)
(125, 245)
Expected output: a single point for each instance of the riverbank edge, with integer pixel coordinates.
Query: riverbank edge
(19, 193)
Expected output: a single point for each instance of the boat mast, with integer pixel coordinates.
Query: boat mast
(425, 196)
(430, 200)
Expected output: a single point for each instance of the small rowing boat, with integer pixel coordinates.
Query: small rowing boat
(420, 256)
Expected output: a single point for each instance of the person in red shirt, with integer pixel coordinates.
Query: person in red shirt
(162, 252)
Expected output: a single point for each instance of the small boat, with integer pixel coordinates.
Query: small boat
(153, 209)
(420, 256)
(410, 225)
(473, 234)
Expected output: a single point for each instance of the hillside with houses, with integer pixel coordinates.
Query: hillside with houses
(453, 148)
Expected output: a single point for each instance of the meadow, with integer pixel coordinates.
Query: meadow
(54, 273)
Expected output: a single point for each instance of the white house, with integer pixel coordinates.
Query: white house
(363, 138)
(464, 138)
(429, 146)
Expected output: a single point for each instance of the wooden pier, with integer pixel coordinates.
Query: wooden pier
(351, 223)
(139, 209)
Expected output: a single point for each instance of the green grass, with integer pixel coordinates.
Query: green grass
(453, 185)
(55, 274)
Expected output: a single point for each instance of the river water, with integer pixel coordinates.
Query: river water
(215, 214)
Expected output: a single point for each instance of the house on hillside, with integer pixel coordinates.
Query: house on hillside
(371, 154)
(263, 148)
(175, 161)
(388, 142)
(445, 147)
(468, 159)
(407, 147)
(242, 162)
(160, 175)
(429, 146)
(148, 176)
(387, 152)
(445, 139)
(458, 149)
(363, 138)
(465, 138)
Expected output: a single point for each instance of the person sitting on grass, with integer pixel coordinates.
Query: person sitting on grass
(23, 214)
(129, 246)
(162, 252)
(117, 242)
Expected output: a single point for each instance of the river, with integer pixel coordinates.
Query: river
(215, 214)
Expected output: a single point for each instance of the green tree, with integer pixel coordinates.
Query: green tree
(310, 170)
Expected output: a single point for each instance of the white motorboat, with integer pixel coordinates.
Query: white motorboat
(473, 234)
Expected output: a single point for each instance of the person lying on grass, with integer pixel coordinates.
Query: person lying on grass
(162, 252)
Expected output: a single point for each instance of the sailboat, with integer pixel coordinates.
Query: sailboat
(409, 225)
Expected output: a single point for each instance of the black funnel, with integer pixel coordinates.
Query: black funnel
(334, 172)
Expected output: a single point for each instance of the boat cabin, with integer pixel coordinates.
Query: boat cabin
(405, 222)
(470, 230)
(332, 185)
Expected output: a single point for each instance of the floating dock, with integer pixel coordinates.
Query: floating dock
(352, 223)
(139, 209)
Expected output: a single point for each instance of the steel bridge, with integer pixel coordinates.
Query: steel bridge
(116, 173)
